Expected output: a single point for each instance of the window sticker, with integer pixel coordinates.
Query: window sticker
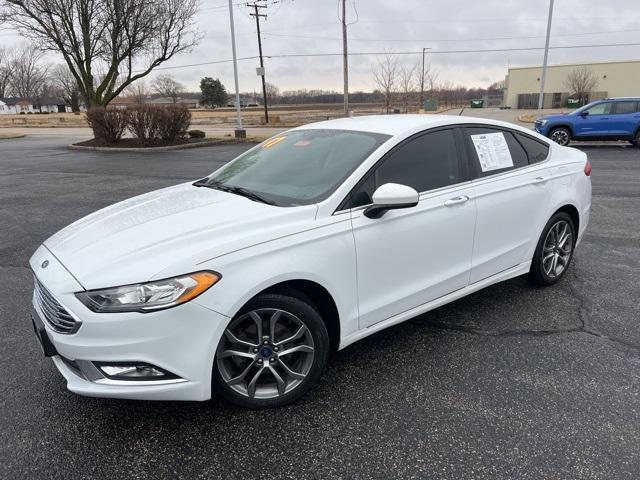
(270, 143)
(302, 143)
(493, 151)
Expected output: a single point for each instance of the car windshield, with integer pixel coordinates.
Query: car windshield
(299, 167)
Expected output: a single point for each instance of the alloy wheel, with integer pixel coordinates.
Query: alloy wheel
(265, 353)
(560, 136)
(558, 246)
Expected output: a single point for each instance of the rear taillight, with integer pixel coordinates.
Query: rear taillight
(587, 168)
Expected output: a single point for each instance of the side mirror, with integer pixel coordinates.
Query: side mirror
(391, 196)
(585, 113)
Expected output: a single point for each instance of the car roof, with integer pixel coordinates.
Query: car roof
(623, 98)
(399, 124)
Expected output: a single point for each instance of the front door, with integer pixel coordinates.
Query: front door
(412, 256)
(596, 122)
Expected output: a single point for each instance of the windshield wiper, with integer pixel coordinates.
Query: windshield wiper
(244, 192)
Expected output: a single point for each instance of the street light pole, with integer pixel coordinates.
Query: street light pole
(345, 59)
(239, 132)
(544, 61)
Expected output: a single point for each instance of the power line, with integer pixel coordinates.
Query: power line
(313, 37)
(486, 50)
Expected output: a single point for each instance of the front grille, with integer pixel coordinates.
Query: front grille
(54, 313)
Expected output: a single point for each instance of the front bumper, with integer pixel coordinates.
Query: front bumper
(542, 130)
(180, 340)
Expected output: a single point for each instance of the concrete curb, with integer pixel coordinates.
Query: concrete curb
(208, 143)
(8, 136)
(526, 119)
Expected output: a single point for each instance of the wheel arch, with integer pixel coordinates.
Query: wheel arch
(313, 293)
(572, 211)
(568, 126)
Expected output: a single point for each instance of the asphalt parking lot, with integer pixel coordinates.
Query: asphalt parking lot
(511, 382)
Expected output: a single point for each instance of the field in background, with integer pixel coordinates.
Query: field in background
(279, 115)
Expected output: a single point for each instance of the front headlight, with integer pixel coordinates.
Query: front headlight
(542, 123)
(149, 296)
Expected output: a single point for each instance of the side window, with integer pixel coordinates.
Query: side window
(424, 163)
(489, 144)
(624, 108)
(601, 109)
(536, 151)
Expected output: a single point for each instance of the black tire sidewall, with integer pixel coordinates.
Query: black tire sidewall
(537, 274)
(308, 314)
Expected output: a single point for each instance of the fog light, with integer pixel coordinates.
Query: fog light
(133, 371)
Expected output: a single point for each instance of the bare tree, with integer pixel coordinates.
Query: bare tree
(406, 83)
(581, 81)
(66, 83)
(273, 93)
(385, 75)
(107, 44)
(28, 72)
(166, 86)
(5, 72)
(139, 91)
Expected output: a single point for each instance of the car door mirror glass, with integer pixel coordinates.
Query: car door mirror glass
(585, 113)
(391, 196)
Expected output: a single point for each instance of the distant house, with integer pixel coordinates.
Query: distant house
(167, 101)
(52, 105)
(13, 106)
(124, 102)
(245, 101)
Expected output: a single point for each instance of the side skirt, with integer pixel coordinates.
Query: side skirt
(438, 302)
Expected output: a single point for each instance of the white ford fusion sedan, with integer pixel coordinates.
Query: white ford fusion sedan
(242, 282)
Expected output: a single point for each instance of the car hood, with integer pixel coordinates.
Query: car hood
(558, 116)
(168, 232)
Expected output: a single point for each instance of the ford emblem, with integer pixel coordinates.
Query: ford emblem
(44, 264)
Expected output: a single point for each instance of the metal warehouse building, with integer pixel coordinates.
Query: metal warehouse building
(615, 79)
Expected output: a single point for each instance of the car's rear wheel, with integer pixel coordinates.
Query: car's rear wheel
(636, 140)
(554, 250)
(271, 353)
(560, 135)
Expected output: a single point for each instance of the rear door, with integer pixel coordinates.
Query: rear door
(512, 192)
(596, 123)
(625, 118)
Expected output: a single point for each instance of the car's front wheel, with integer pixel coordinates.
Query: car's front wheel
(560, 135)
(636, 140)
(554, 250)
(272, 352)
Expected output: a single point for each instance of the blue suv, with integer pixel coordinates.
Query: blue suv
(608, 119)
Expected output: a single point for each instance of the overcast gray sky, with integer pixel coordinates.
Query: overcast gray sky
(401, 26)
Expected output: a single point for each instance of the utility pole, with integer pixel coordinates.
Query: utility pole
(546, 55)
(345, 58)
(424, 49)
(240, 132)
(257, 16)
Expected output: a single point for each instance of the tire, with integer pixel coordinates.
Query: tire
(543, 271)
(560, 135)
(268, 374)
(636, 141)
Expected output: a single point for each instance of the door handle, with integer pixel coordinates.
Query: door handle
(539, 180)
(456, 201)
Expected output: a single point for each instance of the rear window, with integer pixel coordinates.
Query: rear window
(626, 107)
(536, 151)
(478, 137)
